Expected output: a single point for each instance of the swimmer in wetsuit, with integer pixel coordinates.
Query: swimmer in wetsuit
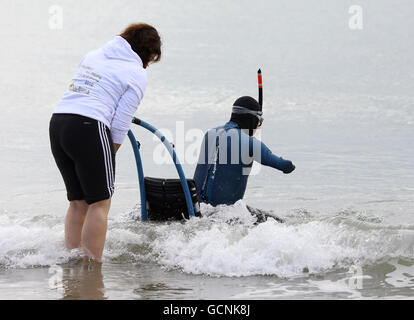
(227, 155)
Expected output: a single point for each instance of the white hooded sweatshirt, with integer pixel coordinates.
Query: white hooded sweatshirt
(108, 86)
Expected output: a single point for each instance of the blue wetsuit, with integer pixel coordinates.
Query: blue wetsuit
(224, 164)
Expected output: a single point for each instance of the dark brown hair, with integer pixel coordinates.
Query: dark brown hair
(145, 41)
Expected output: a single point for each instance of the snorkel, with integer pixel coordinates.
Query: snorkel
(260, 85)
(247, 111)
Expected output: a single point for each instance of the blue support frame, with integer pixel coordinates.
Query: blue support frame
(167, 144)
(135, 147)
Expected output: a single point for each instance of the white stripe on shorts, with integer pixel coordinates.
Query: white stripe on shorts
(107, 157)
(111, 169)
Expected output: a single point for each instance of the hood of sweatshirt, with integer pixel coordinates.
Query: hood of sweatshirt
(119, 48)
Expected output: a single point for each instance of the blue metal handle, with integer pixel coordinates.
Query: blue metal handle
(144, 214)
(167, 144)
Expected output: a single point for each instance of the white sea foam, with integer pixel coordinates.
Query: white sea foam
(226, 241)
(28, 246)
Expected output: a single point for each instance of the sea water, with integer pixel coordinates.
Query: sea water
(338, 102)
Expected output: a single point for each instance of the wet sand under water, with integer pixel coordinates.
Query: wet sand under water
(80, 280)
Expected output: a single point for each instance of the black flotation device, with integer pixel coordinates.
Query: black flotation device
(166, 199)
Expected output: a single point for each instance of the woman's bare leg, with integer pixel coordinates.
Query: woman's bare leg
(94, 229)
(75, 217)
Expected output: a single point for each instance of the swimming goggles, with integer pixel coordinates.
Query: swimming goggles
(243, 110)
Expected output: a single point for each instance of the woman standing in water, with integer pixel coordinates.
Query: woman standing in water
(89, 125)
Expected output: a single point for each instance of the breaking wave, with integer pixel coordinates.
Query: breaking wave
(226, 241)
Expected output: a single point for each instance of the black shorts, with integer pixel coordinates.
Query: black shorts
(84, 153)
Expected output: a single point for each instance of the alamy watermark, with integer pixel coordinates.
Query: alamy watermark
(55, 17)
(216, 146)
(356, 20)
(56, 278)
(356, 280)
